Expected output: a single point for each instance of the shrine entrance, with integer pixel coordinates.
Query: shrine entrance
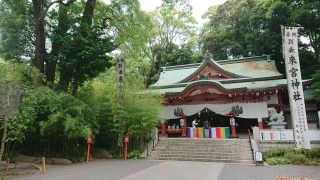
(225, 120)
(243, 124)
(215, 120)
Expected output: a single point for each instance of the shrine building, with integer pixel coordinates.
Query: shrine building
(234, 94)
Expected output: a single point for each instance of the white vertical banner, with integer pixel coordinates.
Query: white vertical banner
(296, 97)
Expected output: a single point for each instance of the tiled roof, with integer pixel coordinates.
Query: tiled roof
(239, 86)
(253, 67)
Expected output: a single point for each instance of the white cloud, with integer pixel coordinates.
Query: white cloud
(149, 5)
(199, 6)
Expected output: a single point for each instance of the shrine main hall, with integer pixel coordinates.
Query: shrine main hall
(228, 93)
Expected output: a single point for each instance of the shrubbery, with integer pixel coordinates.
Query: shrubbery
(292, 156)
(58, 123)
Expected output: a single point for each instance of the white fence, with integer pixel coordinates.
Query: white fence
(282, 135)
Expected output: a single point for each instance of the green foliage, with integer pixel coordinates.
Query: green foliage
(316, 84)
(277, 160)
(292, 156)
(18, 121)
(311, 153)
(15, 27)
(135, 154)
(278, 152)
(21, 73)
(72, 119)
(296, 158)
(172, 41)
(136, 113)
(252, 28)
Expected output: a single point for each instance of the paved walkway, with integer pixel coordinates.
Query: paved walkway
(171, 170)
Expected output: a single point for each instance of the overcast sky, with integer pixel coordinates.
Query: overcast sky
(199, 6)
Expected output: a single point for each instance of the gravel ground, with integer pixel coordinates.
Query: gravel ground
(246, 172)
(171, 170)
(100, 169)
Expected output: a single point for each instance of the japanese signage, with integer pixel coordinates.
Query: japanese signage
(295, 89)
(120, 73)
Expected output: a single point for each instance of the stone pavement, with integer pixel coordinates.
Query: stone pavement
(172, 170)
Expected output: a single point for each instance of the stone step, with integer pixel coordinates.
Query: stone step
(226, 150)
(202, 139)
(204, 153)
(205, 157)
(204, 148)
(207, 160)
(203, 144)
(192, 151)
(212, 145)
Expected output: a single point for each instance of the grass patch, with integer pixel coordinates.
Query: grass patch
(11, 173)
(292, 156)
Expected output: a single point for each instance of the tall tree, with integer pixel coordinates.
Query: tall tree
(16, 29)
(246, 28)
(306, 13)
(86, 47)
(40, 41)
(173, 28)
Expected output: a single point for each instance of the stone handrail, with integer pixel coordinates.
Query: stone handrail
(153, 142)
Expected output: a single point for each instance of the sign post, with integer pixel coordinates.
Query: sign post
(120, 68)
(295, 89)
(126, 141)
(89, 142)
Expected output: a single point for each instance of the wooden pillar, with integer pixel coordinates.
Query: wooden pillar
(280, 103)
(184, 128)
(260, 125)
(163, 129)
(233, 127)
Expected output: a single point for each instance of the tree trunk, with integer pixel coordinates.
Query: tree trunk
(40, 42)
(69, 75)
(4, 134)
(88, 13)
(75, 87)
(60, 32)
(64, 81)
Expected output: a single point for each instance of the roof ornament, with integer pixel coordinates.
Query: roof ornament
(237, 110)
(208, 55)
(178, 112)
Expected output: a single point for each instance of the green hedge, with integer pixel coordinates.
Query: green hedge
(292, 156)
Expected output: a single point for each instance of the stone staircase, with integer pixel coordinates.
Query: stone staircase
(187, 149)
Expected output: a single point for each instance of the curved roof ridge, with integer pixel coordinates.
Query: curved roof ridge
(213, 63)
(183, 66)
(245, 59)
(223, 61)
